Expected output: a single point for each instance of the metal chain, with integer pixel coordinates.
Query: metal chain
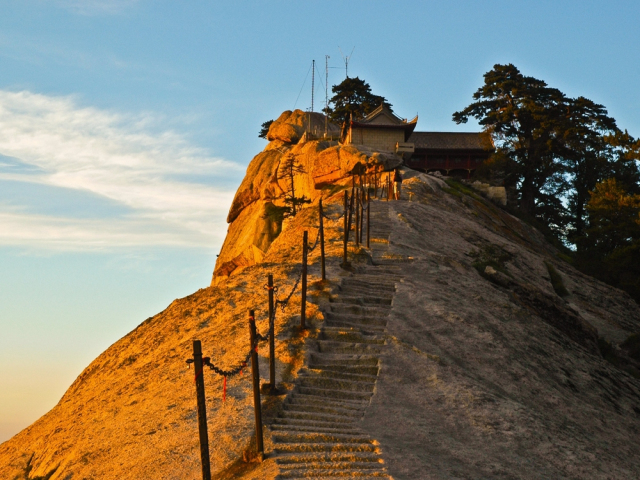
(206, 361)
(283, 303)
(316, 242)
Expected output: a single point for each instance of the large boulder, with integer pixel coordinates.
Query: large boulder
(255, 216)
(342, 161)
(291, 126)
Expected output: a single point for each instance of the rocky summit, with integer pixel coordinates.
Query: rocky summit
(459, 344)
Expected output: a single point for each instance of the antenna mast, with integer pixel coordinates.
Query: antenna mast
(326, 94)
(346, 61)
(313, 79)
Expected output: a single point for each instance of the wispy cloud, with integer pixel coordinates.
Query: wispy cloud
(122, 158)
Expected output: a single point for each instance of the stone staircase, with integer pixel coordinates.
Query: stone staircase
(317, 435)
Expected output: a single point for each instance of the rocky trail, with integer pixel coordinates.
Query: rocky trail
(317, 435)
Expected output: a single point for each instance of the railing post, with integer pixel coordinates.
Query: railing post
(346, 230)
(361, 213)
(255, 371)
(272, 339)
(357, 224)
(321, 233)
(368, 217)
(303, 305)
(202, 411)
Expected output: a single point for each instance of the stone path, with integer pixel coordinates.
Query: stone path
(317, 435)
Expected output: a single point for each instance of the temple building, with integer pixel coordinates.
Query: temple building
(451, 153)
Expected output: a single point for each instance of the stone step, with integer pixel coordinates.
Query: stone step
(344, 360)
(312, 429)
(324, 438)
(319, 474)
(339, 374)
(333, 393)
(298, 408)
(312, 424)
(319, 416)
(365, 294)
(350, 335)
(377, 311)
(361, 300)
(365, 327)
(347, 404)
(335, 384)
(349, 369)
(378, 285)
(325, 447)
(323, 457)
(351, 312)
(330, 346)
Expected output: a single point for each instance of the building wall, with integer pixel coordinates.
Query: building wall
(377, 138)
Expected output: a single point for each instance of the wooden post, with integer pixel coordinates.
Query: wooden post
(321, 233)
(255, 371)
(368, 217)
(361, 213)
(272, 339)
(303, 305)
(350, 214)
(388, 187)
(357, 224)
(202, 411)
(346, 230)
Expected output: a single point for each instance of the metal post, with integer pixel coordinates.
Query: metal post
(303, 305)
(368, 217)
(321, 233)
(346, 230)
(272, 339)
(256, 386)
(202, 411)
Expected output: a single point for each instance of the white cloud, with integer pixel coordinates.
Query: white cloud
(116, 157)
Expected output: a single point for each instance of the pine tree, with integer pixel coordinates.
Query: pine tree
(288, 171)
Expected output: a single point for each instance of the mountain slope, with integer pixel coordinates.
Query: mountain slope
(484, 370)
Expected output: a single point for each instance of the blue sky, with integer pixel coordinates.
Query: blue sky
(126, 126)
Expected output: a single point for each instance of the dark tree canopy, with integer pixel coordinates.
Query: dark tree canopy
(573, 169)
(265, 129)
(352, 99)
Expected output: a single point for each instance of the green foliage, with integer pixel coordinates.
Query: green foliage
(352, 99)
(458, 189)
(556, 280)
(610, 248)
(265, 129)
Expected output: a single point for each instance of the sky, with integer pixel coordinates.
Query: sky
(126, 127)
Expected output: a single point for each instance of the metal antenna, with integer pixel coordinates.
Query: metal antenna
(346, 61)
(326, 94)
(313, 81)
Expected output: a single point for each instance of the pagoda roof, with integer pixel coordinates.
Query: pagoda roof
(383, 117)
(447, 140)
